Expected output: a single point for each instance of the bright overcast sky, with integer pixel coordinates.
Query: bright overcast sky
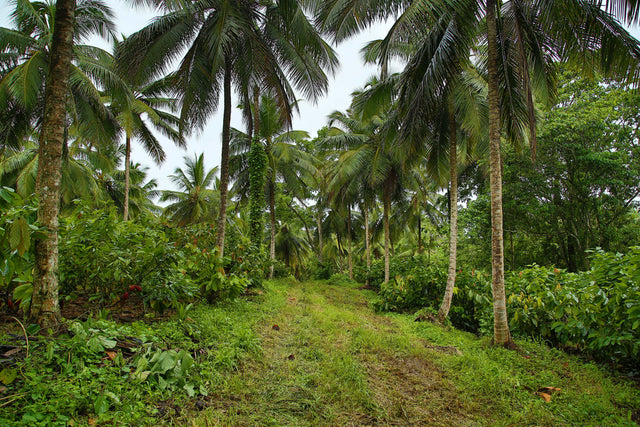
(351, 75)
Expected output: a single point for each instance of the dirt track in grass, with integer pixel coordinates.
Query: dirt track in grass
(328, 359)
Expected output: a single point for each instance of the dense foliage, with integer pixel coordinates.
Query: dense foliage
(595, 311)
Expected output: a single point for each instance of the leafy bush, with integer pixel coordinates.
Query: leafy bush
(102, 255)
(18, 228)
(597, 311)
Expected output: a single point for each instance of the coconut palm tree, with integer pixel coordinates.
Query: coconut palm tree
(250, 44)
(292, 249)
(24, 66)
(141, 192)
(195, 201)
(36, 49)
(18, 169)
(522, 42)
(349, 183)
(286, 162)
(373, 160)
(140, 106)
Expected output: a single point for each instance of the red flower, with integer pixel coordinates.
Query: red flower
(125, 296)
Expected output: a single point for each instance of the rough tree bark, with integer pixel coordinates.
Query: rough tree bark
(501, 333)
(387, 209)
(127, 173)
(443, 312)
(45, 309)
(224, 161)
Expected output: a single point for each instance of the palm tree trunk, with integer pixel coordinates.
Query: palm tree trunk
(272, 216)
(387, 208)
(443, 312)
(224, 161)
(419, 232)
(45, 308)
(127, 170)
(350, 243)
(501, 333)
(367, 250)
(319, 222)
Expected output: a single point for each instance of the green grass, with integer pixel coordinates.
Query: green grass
(330, 361)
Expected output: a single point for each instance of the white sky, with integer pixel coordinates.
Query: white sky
(351, 75)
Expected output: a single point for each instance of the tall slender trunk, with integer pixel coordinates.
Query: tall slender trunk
(319, 222)
(45, 308)
(443, 312)
(272, 217)
(387, 208)
(224, 161)
(367, 250)
(350, 243)
(501, 333)
(127, 172)
(419, 232)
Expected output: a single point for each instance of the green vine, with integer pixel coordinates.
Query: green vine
(257, 167)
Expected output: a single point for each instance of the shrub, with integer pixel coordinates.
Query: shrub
(596, 311)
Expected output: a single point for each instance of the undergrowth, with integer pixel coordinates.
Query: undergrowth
(301, 354)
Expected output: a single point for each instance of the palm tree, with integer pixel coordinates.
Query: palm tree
(292, 248)
(285, 161)
(38, 48)
(136, 105)
(251, 44)
(522, 41)
(18, 169)
(195, 202)
(45, 309)
(141, 192)
(26, 54)
(372, 159)
(348, 176)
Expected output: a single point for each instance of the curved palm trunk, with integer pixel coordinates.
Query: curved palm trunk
(127, 171)
(387, 208)
(45, 309)
(272, 217)
(224, 161)
(443, 312)
(501, 333)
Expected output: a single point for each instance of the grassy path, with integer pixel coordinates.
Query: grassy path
(327, 359)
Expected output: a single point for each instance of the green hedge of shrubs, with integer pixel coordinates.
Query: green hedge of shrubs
(596, 311)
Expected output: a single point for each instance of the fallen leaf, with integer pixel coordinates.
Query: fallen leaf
(111, 354)
(292, 299)
(3, 389)
(11, 352)
(545, 396)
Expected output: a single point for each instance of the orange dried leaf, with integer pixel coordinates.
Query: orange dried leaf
(545, 396)
(111, 354)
